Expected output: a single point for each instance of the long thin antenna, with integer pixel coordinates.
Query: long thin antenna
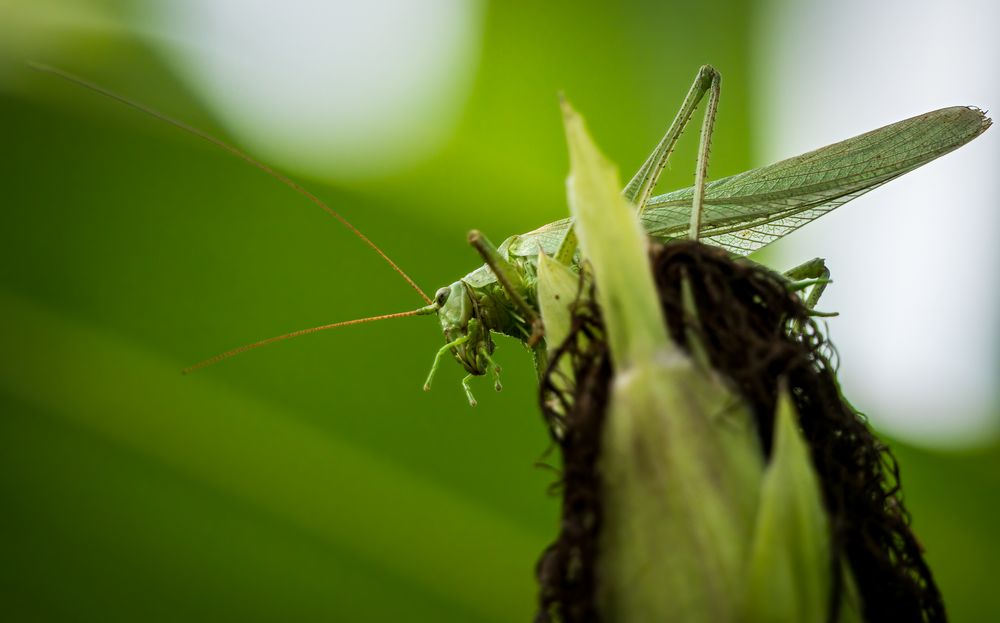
(234, 151)
(423, 311)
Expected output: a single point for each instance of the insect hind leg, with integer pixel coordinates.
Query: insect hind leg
(640, 187)
(704, 148)
(437, 359)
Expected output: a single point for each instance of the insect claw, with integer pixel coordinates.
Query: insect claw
(437, 359)
(468, 390)
(493, 367)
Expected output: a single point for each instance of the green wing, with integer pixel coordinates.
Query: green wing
(748, 211)
(745, 212)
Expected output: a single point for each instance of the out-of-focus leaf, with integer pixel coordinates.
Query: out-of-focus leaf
(557, 287)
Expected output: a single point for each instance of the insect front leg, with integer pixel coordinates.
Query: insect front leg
(468, 390)
(812, 274)
(640, 187)
(437, 358)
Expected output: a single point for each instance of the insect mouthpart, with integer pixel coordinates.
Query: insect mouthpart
(470, 355)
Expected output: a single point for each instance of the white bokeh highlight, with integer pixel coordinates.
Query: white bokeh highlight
(335, 89)
(914, 262)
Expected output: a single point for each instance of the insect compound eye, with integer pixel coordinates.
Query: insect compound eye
(441, 296)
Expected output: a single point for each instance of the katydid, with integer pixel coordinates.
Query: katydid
(741, 213)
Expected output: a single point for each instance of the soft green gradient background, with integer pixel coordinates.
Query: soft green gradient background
(314, 480)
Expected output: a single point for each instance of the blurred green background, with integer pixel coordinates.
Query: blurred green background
(313, 480)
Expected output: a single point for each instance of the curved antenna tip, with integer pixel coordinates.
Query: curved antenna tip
(423, 311)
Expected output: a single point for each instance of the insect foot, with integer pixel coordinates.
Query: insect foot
(468, 390)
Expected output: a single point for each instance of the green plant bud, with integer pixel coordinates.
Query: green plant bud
(681, 470)
(680, 465)
(789, 572)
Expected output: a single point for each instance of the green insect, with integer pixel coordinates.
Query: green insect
(741, 213)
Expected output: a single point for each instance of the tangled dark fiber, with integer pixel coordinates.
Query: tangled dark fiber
(756, 334)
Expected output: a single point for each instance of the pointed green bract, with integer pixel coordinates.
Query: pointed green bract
(789, 570)
(680, 462)
(614, 243)
(557, 288)
(679, 496)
